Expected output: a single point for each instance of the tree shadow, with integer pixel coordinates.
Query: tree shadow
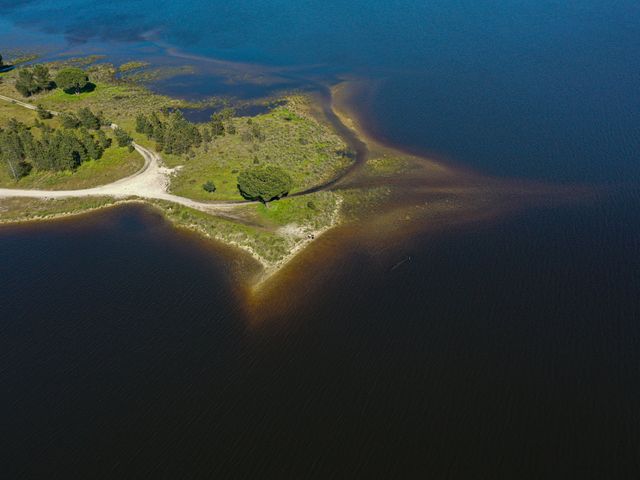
(89, 87)
(6, 68)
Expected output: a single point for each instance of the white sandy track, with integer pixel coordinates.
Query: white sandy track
(151, 181)
(22, 104)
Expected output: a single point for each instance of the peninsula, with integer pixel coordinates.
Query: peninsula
(82, 134)
(77, 135)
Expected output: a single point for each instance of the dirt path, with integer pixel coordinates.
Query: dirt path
(151, 181)
(18, 102)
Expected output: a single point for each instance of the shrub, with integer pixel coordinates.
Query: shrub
(43, 114)
(209, 187)
(69, 120)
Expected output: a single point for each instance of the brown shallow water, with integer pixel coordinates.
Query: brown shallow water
(131, 349)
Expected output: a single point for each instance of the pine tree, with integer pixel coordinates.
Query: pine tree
(25, 83)
(105, 142)
(69, 120)
(123, 138)
(88, 119)
(42, 78)
(142, 124)
(206, 135)
(93, 148)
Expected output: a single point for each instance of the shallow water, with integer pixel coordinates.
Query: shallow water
(203, 115)
(502, 349)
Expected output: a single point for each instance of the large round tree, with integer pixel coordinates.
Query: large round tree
(72, 80)
(265, 183)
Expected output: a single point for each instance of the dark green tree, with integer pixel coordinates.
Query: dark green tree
(88, 119)
(25, 83)
(69, 152)
(72, 80)
(217, 125)
(91, 145)
(69, 120)
(42, 78)
(105, 142)
(217, 128)
(12, 151)
(155, 128)
(206, 135)
(179, 135)
(124, 139)
(264, 183)
(226, 114)
(43, 113)
(142, 124)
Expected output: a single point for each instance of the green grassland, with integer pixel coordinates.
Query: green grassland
(264, 232)
(309, 151)
(24, 115)
(25, 209)
(313, 210)
(118, 100)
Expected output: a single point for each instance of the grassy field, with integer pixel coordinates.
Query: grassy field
(289, 137)
(308, 150)
(25, 209)
(287, 224)
(9, 111)
(119, 101)
(312, 210)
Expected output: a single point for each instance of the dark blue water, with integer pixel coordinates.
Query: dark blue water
(504, 350)
(527, 88)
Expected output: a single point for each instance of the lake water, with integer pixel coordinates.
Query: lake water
(505, 349)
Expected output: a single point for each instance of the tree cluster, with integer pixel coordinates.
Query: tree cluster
(33, 80)
(85, 118)
(52, 150)
(218, 121)
(173, 135)
(124, 139)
